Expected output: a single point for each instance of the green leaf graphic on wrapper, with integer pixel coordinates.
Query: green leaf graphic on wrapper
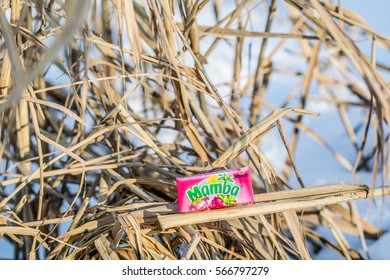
(225, 177)
(227, 199)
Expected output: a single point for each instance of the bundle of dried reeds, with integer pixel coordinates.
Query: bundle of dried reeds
(99, 117)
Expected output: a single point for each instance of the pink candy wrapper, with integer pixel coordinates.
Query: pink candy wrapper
(215, 190)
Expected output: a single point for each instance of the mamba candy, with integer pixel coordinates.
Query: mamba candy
(226, 188)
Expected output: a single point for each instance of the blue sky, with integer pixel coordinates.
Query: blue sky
(376, 12)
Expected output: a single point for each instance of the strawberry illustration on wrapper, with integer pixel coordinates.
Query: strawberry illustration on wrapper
(222, 189)
(199, 204)
(222, 201)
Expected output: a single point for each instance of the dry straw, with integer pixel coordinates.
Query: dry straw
(99, 117)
